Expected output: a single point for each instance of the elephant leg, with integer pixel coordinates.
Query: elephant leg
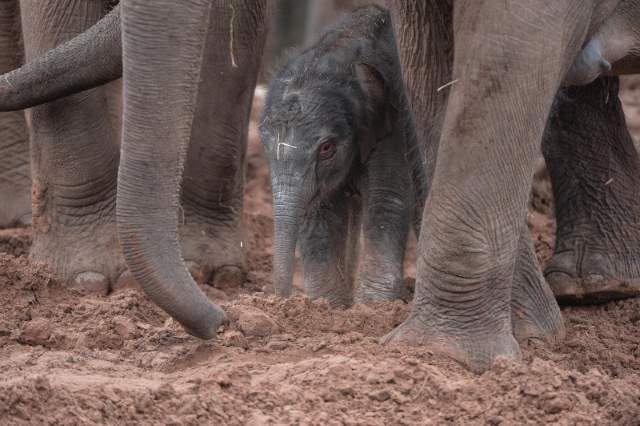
(328, 246)
(426, 51)
(493, 126)
(534, 311)
(212, 232)
(387, 217)
(74, 161)
(15, 180)
(425, 47)
(595, 174)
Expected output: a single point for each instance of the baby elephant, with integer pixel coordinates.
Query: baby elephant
(343, 159)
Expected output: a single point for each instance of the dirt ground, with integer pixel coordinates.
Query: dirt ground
(68, 359)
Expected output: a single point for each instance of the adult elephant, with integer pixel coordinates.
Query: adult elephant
(76, 160)
(508, 63)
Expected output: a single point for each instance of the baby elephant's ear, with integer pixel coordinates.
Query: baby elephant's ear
(371, 82)
(377, 106)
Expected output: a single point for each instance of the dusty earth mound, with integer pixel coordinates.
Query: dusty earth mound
(71, 359)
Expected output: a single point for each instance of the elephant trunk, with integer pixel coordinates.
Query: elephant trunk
(89, 60)
(162, 64)
(288, 213)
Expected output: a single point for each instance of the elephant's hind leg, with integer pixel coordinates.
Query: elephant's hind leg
(75, 159)
(387, 215)
(212, 232)
(535, 314)
(15, 181)
(595, 173)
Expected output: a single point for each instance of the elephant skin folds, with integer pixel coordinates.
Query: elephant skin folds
(74, 358)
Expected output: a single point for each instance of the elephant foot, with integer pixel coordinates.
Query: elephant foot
(214, 255)
(86, 258)
(339, 296)
(374, 291)
(478, 352)
(535, 314)
(585, 276)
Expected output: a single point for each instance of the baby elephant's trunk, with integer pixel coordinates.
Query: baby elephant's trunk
(288, 212)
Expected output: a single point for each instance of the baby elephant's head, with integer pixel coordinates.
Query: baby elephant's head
(317, 132)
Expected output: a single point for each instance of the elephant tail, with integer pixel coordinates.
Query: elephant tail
(89, 60)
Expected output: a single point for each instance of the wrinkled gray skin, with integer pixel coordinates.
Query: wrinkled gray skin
(169, 121)
(74, 158)
(595, 173)
(468, 299)
(336, 134)
(15, 181)
(616, 44)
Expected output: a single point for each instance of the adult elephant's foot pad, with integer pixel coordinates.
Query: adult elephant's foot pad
(579, 276)
(477, 353)
(593, 289)
(227, 276)
(87, 259)
(214, 256)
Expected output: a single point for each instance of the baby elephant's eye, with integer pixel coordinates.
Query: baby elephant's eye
(326, 150)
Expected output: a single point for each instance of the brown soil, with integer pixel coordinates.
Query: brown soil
(71, 359)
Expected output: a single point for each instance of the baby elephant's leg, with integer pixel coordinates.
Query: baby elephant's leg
(388, 209)
(328, 244)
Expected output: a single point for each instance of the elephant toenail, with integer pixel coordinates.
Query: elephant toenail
(91, 283)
